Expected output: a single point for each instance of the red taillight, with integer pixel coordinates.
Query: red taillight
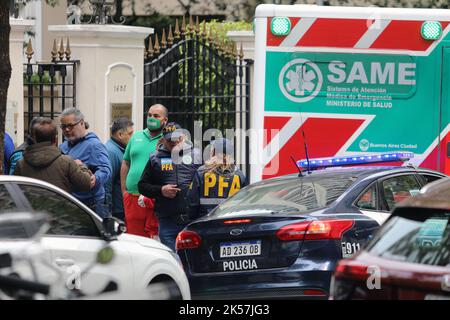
(292, 232)
(237, 221)
(315, 230)
(351, 269)
(188, 240)
(332, 229)
(314, 292)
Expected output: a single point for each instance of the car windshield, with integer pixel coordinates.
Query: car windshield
(288, 195)
(417, 235)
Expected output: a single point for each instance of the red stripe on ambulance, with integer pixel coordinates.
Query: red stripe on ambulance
(345, 33)
(339, 33)
(438, 155)
(272, 125)
(444, 159)
(430, 161)
(404, 35)
(321, 143)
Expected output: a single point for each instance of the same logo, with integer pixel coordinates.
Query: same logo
(300, 80)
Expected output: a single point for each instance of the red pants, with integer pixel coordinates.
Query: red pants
(138, 220)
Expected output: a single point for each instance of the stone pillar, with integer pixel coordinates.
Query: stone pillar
(246, 40)
(110, 76)
(14, 106)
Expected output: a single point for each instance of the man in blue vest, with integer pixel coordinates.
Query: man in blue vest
(167, 177)
(121, 132)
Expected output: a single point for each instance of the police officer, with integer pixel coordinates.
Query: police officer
(167, 177)
(217, 180)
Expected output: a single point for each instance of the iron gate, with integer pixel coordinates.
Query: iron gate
(49, 87)
(200, 79)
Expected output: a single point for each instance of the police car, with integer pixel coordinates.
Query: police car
(282, 237)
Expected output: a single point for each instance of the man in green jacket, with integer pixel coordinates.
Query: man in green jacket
(44, 161)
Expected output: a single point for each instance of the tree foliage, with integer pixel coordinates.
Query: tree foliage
(220, 28)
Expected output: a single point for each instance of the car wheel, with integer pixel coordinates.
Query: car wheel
(163, 287)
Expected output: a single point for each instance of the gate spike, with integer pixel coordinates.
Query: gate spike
(233, 50)
(163, 40)
(217, 43)
(229, 49)
(68, 51)
(210, 36)
(241, 52)
(205, 36)
(145, 50)
(177, 30)
(150, 50)
(54, 51)
(197, 26)
(157, 47)
(191, 25)
(226, 48)
(183, 27)
(30, 51)
(170, 37)
(61, 50)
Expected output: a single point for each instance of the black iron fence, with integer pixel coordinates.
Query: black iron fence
(200, 79)
(49, 87)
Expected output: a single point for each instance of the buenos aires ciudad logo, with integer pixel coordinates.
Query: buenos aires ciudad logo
(300, 80)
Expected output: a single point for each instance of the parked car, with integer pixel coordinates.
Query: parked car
(282, 237)
(76, 234)
(409, 258)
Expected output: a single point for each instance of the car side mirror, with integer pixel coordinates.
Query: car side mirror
(112, 228)
(105, 255)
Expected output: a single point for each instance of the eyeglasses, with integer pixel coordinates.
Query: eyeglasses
(69, 126)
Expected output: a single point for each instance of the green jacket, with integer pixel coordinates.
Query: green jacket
(45, 161)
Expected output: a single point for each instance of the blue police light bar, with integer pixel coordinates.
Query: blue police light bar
(317, 163)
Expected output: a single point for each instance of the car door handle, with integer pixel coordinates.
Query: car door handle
(62, 262)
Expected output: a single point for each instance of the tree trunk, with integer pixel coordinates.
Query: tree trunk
(5, 71)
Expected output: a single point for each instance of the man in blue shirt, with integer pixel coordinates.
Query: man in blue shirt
(85, 147)
(121, 132)
(8, 151)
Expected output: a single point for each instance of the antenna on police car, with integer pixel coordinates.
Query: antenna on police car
(300, 174)
(306, 149)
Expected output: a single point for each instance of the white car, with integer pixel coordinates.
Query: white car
(77, 234)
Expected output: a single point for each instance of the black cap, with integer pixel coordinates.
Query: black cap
(172, 130)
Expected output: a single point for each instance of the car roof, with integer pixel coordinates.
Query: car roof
(13, 178)
(7, 178)
(355, 171)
